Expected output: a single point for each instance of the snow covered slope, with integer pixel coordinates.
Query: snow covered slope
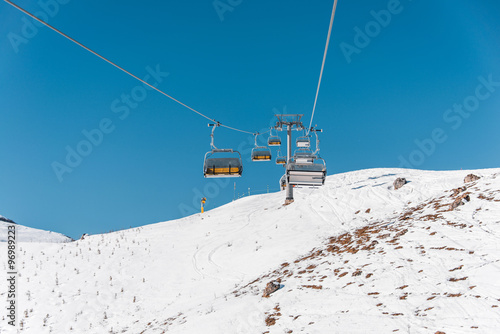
(29, 234)
(355, 256)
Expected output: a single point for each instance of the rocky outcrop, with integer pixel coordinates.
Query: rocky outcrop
(270, 288)
(399, 182)
(458, 191)
(471, 178)
(461, 200)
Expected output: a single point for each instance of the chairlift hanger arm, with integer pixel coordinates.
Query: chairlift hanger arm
(317, 138)
(255, 138)
(212, 145)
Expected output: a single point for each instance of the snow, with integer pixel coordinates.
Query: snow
(355, 256)
(29, 234)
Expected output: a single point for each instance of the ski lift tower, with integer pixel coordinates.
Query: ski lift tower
(292, 122)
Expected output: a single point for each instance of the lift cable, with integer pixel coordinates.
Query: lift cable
(120, 68)
(323, 64)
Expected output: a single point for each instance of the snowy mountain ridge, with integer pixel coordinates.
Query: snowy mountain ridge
(29, 234)
(6, 220)
(355, 256)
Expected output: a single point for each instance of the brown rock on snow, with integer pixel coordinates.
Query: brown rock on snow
(399, 182)
(461, 200)
(270, 288)
(471, 178)
(458, 191)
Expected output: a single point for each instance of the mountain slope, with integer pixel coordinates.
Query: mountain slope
(29, 234)
(355, 256)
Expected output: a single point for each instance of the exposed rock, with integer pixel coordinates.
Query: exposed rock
(270, 321)
(471, 178)
(458, 191)
(399, 182)
(7, 220)
(270, 288)
(357, 272)
(461, 200)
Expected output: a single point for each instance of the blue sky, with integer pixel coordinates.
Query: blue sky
(394, 101)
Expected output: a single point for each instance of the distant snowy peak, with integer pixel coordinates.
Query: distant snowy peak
(7, 220)
(29, 234)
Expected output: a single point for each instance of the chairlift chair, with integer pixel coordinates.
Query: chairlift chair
(283, 182)
(307, 168)
(304, 156)
(306, 174)
(260, 153)
(303, 142)
(217, 163)
(280, 159)
(273, 140)
(222, 166)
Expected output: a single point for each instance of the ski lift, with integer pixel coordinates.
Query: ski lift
(306, 174)
(304, 156)
(221, 162)
(307, 168)
(280, 160)
(303, 142)
(283, 182)
(273, 140)
(260, 153)
(317, 139)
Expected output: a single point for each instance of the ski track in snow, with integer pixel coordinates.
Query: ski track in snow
(203, 261)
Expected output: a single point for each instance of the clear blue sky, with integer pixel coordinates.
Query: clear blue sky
(383, 95)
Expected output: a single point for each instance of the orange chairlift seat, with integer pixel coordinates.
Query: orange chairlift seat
(280, 160)
(260, 153)
(221, 162)
(273, 140)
